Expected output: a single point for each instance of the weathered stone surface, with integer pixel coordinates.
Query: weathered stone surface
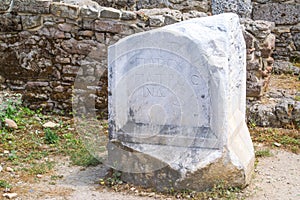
(110, 13)
(128, 15)
(92, 12)
(296, 114)
(177, 106)
(156, 20)
(10, 124)
(31, 6)
(193, 14)
(241, 7)
(10, 22)
(277, 12)
(108, 26)
(65, 10)
(285, 67)
(50, 125)
(5, 5)
(31, 21)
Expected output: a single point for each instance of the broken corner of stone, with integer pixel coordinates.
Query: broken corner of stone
(177, 106)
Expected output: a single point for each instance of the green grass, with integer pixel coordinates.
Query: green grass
(263, 153)
(50, 136)
(288, 138)
(30, 144)
(4, 184)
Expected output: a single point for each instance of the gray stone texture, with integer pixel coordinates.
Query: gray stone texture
(31, 6)
(177, 106)
(65, 10)
(284, 14)
(5, 5)
(241, 7)
(260, 43)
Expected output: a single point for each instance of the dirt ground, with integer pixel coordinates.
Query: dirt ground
(275, 177)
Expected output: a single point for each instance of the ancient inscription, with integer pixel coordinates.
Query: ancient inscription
(164, 95)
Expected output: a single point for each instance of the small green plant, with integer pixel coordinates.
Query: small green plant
(113, 179)
(50, 136)
(263, 153)
(4, 184)
(82, 157)
(41, 168)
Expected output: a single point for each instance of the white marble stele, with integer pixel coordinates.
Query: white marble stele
(177, 106)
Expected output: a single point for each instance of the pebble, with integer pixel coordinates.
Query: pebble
(50, 125)
(9, 169)
(10, 195)
(277, 144)
(39, 175)
(6, 152)
(10, 124)
(1, 168)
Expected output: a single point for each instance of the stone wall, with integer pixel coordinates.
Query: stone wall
(45, 44)
(286, 16)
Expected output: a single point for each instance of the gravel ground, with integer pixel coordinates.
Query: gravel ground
(276, 177)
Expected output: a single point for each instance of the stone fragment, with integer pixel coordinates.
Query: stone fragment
(65, 27)
(83, 47)
(1, 168)
(110, 13)
(169, 19)
(92, 12)
(5, 5)
(65, 10)
(32, 6)
(128, 15)
(156, 20)
(177, 106)
(282, 112)
(2, 79)
(285, 67)
(50, 125)
(9, 169)
(10, 124)
(10, 195)
(241, 7)
(39, 176)
(280, 13)
(9, 22)
(108, 26)
(263, 115)
(193, 14)
(296, 113)
(31, 21)
(259, 28)
(277, 144)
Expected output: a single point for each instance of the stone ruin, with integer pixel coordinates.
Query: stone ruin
(177, 106)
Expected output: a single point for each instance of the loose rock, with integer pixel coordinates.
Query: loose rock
(50, 125)
(10, 195)
(11, 124)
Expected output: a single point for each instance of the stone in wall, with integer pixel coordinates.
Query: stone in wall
(182, 5)
(65, 10)
(260, 44)
(31, 21)
(280, 13)
(5, 5)
(241, 7)
(31, 6)
(10, 22)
